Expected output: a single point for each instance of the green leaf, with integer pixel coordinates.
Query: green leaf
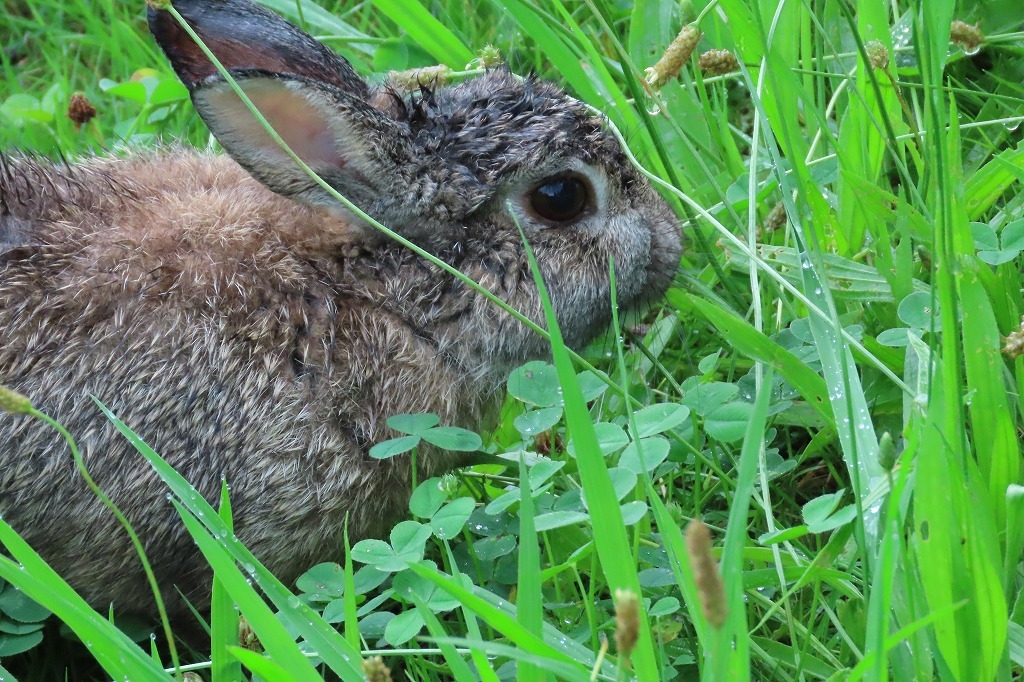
(839, 518)
(17, 605)
(537, 421)
(326, 579)
(395, 446)
(453, 438)
(623, 481)
(656, 419)
(706, 398)
(489, 549)
(168, 91)
(633, 511)
(654, 449)
(665, 606)
(997, 257)
(409, 539)
(728, 423)
(782, 535)
(593, 384)
(535, 383)
(403, 627)
(375, 553)
(448, 521)
(427, 498)
(985, 238)
(822, 507)
(917, 311)
(747, 340)
(413, 424)
(11, 645)
(13, 627)
(1011, 237)
(558, 519)
(610, 438)
(898, 337)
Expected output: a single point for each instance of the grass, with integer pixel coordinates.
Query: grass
(823, 387)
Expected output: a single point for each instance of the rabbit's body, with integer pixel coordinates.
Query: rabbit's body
(264, 337)
(190, 305)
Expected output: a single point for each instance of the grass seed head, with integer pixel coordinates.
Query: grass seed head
(718, 62)
(878, 55)
(490, 57)
(886, 452)
(627, 621)
(776, 218)
(705, 572)
(375, 670)
(80, 109)
(247, 636)
(1013, 346)
(14, 402)
(414, 79)
(676, 55)
(966, 36)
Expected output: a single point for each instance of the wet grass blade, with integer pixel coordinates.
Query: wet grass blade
(224, 667)
(431, 34)
(111, 648)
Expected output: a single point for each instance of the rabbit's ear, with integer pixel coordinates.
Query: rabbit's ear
(244, 35)
(337, 135)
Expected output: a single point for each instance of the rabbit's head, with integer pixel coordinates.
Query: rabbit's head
(456, 169)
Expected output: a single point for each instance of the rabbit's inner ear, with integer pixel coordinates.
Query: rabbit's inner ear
(304, 126)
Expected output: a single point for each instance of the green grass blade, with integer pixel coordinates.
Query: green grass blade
(755, 345)
(351, 607)
(278, 644)
(732, 560)
(562, 56)
(610, 537)
(332, 648)
(316, 19)
(457, 665)
(266, 668)
(994, 429)
(529, 600)
(224, 667)
(505, 623)
(118, 655)
(430, 33)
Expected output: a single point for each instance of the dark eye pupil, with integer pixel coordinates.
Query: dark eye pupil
(559, 198)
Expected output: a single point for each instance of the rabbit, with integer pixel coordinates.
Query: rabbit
(253, 330)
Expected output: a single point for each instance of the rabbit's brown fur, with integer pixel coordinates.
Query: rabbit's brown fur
(264, 337)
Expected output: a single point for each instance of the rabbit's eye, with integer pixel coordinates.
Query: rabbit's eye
(560, 198)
